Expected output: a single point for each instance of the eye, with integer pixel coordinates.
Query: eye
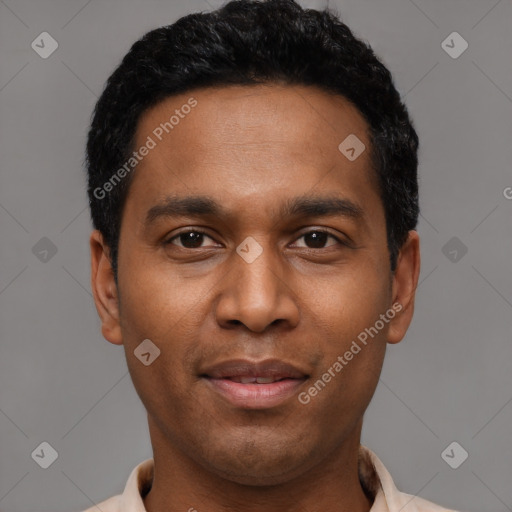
(191, 239)
(317, 238)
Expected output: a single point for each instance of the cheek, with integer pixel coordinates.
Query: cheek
(156, 300)
(350, 301)
(154, 308)
(346, 314)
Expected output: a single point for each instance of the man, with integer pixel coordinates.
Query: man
(253, 189)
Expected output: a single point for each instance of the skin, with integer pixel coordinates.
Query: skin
(252, 149)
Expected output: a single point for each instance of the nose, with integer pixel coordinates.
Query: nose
(257, 294)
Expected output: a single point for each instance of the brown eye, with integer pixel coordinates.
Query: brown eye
(191, 239)
(317, 239)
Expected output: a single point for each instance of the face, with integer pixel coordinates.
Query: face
(252, 248)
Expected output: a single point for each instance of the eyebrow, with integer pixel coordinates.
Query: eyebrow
(205, 206)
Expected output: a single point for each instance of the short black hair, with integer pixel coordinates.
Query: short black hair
(248, 42)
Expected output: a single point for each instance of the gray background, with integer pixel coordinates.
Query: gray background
(449, 380)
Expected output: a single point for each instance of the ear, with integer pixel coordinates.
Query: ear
(104, 289)
(405, 281)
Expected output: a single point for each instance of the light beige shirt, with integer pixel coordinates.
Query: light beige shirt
(372, 473)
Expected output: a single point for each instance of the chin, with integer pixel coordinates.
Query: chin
(262, 465)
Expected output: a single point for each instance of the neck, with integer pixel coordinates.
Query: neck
(180, 483)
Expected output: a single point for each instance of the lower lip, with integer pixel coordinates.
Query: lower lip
(256, 396)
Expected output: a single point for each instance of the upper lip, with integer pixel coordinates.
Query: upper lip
(246, 368)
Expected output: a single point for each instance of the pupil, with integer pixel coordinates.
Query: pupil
(318, 239)
(192, 238)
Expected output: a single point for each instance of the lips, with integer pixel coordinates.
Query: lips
(254, 385)
(255, 380)
(268, 369)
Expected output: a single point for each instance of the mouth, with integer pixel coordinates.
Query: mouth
(255, 380)
(254, 385)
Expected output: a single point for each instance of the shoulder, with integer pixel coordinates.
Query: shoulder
(113, 504)
(376, 478)
(422, 505)
(138, 484)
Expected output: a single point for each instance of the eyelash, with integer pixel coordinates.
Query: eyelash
(199, 231)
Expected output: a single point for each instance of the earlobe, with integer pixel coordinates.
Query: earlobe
(405, 282)
(104, 289)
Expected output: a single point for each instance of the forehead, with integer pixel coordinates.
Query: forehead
(253, 115)
(249, 141)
